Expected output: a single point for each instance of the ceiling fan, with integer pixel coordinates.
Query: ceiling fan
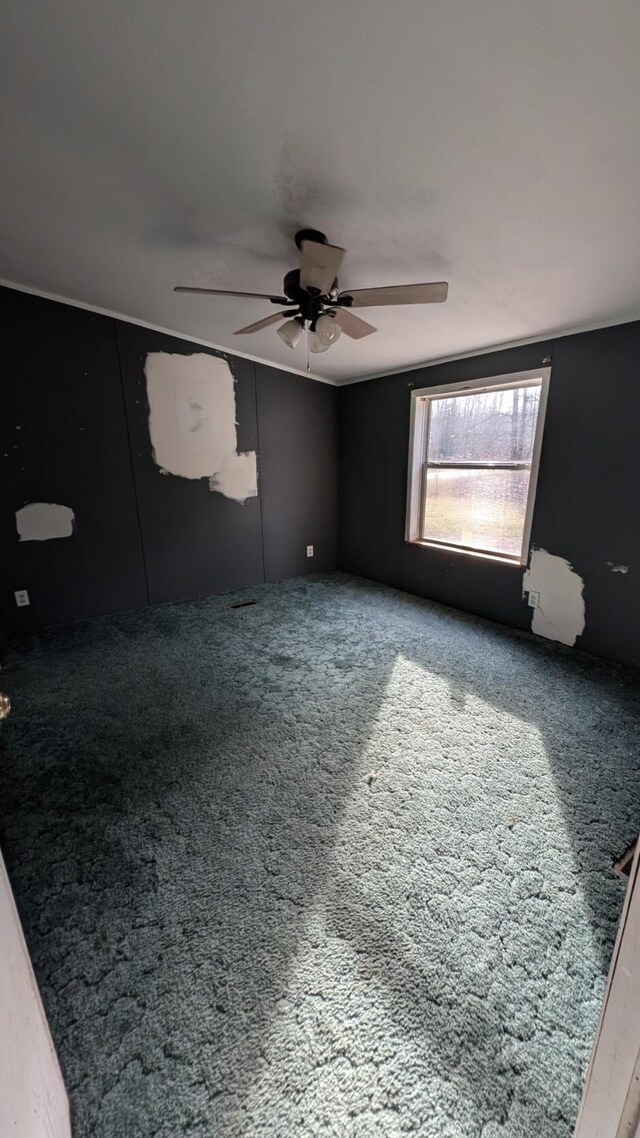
(312, 297)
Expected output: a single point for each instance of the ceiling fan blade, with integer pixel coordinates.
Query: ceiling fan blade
(259, 324)
(227, 292)
(319, 265)
(433, 293)
(353, 325)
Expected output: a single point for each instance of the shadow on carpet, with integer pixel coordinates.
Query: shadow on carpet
(337, 863)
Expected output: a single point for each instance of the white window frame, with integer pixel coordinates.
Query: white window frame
(421, 401)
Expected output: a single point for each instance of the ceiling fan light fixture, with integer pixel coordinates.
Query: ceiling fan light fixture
(317, 343)
(313, 299)
(290, 333)
(327, 328)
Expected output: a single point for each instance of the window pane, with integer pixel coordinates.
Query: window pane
(483, 509)
(493, 426)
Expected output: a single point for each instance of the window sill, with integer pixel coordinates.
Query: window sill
(515, 562)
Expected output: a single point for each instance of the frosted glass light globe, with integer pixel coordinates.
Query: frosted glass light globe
(317, 343)
(327, 328)
(290, 333)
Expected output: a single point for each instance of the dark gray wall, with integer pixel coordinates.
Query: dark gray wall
(299, 477)
(74, 430)
(586, 503)
(63, 439)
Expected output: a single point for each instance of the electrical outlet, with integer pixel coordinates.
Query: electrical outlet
(22, 598)
(309, 551)
(534, 598)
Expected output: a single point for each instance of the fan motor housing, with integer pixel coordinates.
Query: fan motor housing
(311, 304)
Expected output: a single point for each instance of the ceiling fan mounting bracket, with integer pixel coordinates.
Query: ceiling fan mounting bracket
(310, 235)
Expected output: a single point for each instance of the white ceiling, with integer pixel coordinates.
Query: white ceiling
(147, 143)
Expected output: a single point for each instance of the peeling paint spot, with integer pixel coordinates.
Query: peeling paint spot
(44, 521)
(560, 614)
(192, 422)
(618, 568)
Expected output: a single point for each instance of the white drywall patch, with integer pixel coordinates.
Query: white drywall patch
(560, 612)
(238, 478)
(42, 521)
(192, 422)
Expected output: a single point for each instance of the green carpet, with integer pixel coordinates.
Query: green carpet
(337, 863)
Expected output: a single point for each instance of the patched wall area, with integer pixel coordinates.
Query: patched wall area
(191, 413)
(556, 596)
(44, 521)
(192, 422)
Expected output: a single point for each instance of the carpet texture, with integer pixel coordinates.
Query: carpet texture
(337, 863)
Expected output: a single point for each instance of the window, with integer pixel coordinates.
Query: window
(473, 464)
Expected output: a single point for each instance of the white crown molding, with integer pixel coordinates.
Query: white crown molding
(553, 334)
(540, 337)
(165, 331)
